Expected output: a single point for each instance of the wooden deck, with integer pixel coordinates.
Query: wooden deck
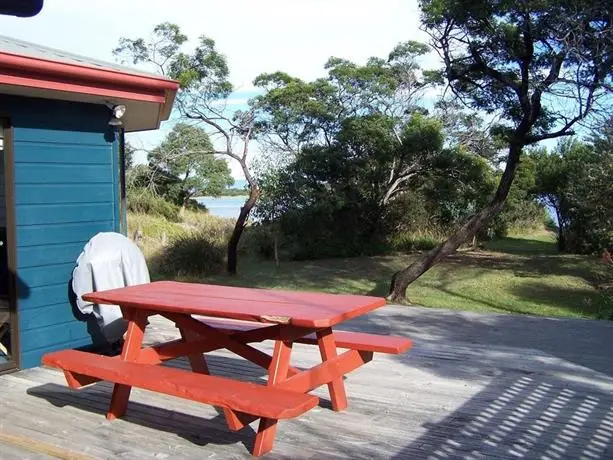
(475, 386)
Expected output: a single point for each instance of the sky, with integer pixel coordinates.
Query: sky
(255, 35)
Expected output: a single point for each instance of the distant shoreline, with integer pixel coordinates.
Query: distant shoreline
(223, 206)
(220, 197)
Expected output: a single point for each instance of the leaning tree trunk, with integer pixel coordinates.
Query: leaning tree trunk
(239, 226)
(402, 279)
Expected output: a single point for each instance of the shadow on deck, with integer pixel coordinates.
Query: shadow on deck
(522, 418)
(475, 386)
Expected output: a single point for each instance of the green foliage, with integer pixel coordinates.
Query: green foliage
(235, 192)
(183, 166)
(195, 246)
(356, 154)
(332, 200)
(521, 211)
(259, 240)
(160, 48)
(203, 74)
(575, 179)
(193, 253)
(460, 184)
(293, 113)
(517, 58)
(143, 201)
(128, 153)
(467, 131)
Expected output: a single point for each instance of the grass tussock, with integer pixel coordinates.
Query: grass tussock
(145, 202)
(191, 254)
(196, 245)
(419, 240)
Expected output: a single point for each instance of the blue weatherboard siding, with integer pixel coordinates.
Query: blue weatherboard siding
(66, 190)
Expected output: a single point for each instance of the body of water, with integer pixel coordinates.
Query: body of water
(224, 206)
(230, 206)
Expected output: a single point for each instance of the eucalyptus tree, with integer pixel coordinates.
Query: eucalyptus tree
(369, 114)
(205, 88)
(183, 158)
(543, 67)
(294, 113)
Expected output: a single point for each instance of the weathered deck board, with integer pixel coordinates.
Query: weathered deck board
(474, 386)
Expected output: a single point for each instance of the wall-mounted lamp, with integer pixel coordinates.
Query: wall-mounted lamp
(118, 112)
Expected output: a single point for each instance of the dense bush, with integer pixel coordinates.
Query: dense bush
(193, 253)
(196, 245)
(259, 240)
(575, 180)
(326, 231)
(143, 201)
(521, 212)
(326, 204)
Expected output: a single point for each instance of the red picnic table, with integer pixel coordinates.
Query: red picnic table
(213, 317)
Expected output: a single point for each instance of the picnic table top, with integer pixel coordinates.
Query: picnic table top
(303, 309)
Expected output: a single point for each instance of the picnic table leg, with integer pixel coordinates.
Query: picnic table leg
(336, 388)
(196, 360)
(198, 364)
(131, 349)
(277, 372)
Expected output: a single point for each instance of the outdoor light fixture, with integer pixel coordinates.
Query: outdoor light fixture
(118, 112)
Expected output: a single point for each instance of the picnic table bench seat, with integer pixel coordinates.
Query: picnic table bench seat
(361, 341)
(259, 400)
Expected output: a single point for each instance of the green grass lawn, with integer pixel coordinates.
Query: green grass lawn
(517, 275)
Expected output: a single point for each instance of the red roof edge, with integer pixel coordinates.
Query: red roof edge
(84, 73)
(111, 84)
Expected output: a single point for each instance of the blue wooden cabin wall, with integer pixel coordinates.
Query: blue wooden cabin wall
(66, 170)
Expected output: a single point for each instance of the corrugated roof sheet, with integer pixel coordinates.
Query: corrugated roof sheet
(23, 48)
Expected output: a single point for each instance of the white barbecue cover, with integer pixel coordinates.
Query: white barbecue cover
(108, 261)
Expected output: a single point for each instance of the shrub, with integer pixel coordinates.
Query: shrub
(519, 218)
(423, 240)
(259, 240)
(195, 205)
(194, 253)
(195, 246)
(201, 250)
(143, 201)
(550, 224)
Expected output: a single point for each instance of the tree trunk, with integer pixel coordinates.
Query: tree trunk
(239, 226)
(561, 232)
(402, 279)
